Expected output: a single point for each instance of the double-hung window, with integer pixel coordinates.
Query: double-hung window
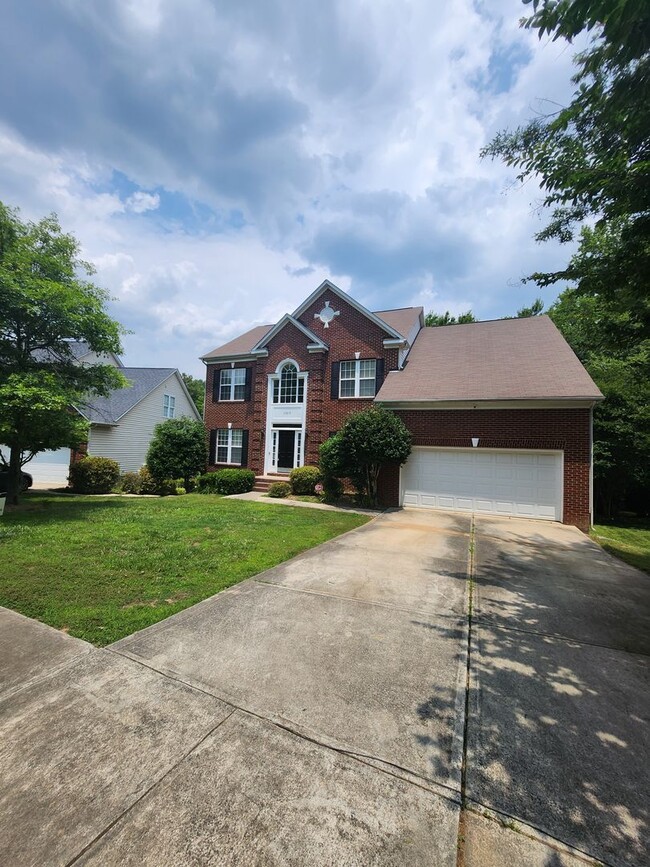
(229, 446)
(358, 378)
(232, 383)
(169, 405)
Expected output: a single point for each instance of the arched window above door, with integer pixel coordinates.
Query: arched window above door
(288, 386)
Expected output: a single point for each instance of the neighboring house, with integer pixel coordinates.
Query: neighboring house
(500, 411)
(122, 424)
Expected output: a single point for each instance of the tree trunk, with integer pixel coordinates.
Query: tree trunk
(13, 483)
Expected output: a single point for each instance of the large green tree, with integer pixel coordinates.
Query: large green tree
(46, 304)
(611, 346)
(196, 388)
(592, 157)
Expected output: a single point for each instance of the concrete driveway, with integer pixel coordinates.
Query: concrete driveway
(316, 714)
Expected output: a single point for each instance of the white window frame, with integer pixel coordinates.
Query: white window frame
(358, 379)
(234, 373)
(227, 442)
(169, 406)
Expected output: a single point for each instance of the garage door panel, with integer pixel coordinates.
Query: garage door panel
(525, 484)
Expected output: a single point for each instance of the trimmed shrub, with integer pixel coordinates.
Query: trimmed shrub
(304, 479)
(94, 475)
(226, 482)
(130, 483)
(207, 483)
(168, 487)
(148, 485)
(279, 490)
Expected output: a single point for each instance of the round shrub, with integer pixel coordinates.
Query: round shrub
(130, 483)
(94, 475)
(279, 490)
(226, 482)
(304, 479)
(167, 487)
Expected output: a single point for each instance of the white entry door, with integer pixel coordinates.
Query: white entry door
(525, 484)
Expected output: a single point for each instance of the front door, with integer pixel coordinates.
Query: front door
(286, 450)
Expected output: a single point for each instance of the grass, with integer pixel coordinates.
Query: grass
(629, 542)
(101, 568)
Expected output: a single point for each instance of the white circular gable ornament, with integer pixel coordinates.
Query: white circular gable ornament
(326, 314)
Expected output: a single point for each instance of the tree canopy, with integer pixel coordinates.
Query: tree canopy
(592, 157)
(367, 440)
(46, 305)
(434, 319)
(196, 388)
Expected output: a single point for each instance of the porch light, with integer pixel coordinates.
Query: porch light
(229, 425)
(474, 442)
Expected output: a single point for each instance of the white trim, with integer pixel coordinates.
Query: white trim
(297, 420)
(232, 385)
(169, 406)
(326, 284)
(357, 378)
(521, 403)
(229, 446)
(497, 451)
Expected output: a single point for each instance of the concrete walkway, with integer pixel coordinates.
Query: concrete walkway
(260, 497)
(316, 714)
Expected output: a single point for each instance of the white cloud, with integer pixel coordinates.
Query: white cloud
(217, 161)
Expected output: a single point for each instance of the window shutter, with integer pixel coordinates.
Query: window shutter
(215, 385)
(247, 386)
(334, 394)
(212, 457)
(379, 374)
(244, 447)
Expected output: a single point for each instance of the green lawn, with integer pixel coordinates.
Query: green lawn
(629, 543)
(104, 567)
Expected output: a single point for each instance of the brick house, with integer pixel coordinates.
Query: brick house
(500, 412)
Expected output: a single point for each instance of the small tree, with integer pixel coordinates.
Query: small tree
(368, 440)
(178, 450)
(196, 388)
(45, 306)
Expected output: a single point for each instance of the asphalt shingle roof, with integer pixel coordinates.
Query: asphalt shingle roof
(507, 359)
(108, 410)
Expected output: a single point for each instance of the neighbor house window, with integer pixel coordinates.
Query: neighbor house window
(289, 387)
(169, 404)
(357, 378)
(232, 384)
(229, 446)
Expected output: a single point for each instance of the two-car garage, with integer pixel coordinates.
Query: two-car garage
(525, 484)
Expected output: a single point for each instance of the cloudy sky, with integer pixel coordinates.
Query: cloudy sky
(217, 159)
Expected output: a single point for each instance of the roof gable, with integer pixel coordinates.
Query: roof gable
(315, 344)
(326, 285)
(110, 409)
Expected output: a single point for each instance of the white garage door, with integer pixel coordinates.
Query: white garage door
(522, 484)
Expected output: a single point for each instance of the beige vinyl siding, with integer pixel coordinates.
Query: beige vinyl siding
(93, 358)
(128, 441)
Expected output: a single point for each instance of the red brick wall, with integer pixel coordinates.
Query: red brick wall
(565, 429)
(348, 333)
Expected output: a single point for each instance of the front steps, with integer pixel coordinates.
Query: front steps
(263, 483)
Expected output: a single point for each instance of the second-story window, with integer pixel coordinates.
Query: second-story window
(357, 378)
(232, 383)
(169, 406)
(289, 388)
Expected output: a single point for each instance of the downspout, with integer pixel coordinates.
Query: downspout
(591, 466)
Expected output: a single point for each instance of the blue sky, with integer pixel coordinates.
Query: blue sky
(218, 160)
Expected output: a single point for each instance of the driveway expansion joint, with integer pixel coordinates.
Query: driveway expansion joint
(532, 832)
(556, 636)
(146, 792)
(387, 605)
(435, 787)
